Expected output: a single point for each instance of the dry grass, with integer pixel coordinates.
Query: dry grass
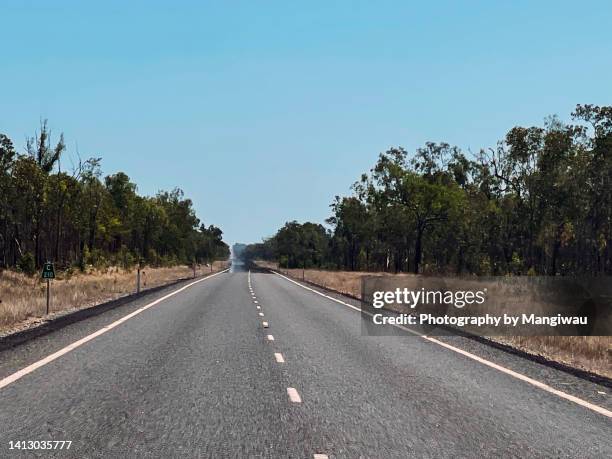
(23, 299)
(590, 353)
(347, 282)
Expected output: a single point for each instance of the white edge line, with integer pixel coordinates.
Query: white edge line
(469, 355)
(50, 358)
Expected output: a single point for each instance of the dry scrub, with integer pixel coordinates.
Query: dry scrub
(590, 353)
(23, 298)
(346, 282)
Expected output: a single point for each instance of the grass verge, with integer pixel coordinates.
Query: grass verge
(23, 298)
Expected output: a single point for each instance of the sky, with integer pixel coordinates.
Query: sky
(263, 111)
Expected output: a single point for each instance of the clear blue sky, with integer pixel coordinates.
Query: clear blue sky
(263, 111)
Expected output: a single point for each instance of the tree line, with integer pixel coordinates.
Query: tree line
(77, 218)
(539, 202)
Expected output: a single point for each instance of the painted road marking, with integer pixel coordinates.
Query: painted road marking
(265, 324)
(258, 307)
(270, 338)
(255, 301)
(293, 395)
(320, 456)
(261, 314)
(50, 358)
(279, 357)
(514, 374)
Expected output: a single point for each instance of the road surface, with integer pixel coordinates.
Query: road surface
(197, 375)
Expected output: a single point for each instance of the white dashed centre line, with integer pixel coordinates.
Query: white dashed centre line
(255, 301)
(265, 325)
(270, 338)
(320, 456)
(293, 395)
(261, 314)
(279, 357)
(258, 307)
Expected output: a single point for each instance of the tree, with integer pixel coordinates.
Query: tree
(39, 148)
(79, 218)
(539, 202)
(7, 157)
(354, 229)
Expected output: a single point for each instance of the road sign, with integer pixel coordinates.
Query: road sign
(48, 271)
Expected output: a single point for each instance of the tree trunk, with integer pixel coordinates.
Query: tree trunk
(58, 231)
(418, 251)
(37, 242)
(92, 229)
(460, 261)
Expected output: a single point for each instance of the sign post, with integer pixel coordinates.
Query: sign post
(48, 273)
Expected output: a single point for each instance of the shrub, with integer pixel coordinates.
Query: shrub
(26, 264)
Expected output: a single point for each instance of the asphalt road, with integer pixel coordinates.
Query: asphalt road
(196, 375)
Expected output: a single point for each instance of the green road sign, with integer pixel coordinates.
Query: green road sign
(48, 271)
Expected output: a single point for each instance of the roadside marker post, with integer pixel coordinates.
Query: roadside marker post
(48, 273)
(138, 274)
